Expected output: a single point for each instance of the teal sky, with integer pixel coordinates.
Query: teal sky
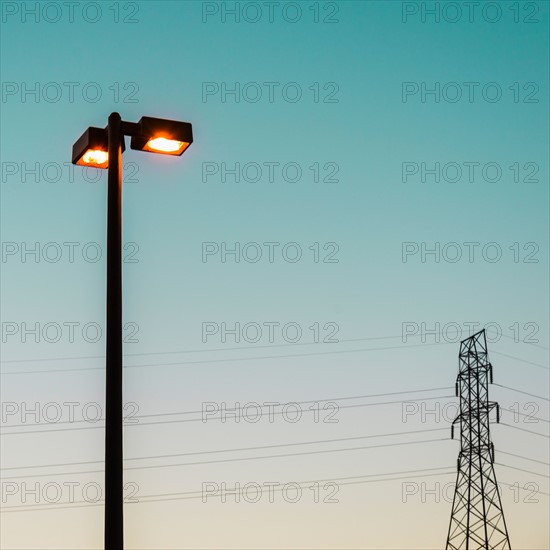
(352, 122)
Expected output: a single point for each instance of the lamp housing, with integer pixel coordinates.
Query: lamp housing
(159, 135)
(92, 148)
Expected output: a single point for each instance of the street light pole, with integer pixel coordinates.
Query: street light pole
(103, 148)
(114, 535)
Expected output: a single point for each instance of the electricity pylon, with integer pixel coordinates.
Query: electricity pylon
(477, 519)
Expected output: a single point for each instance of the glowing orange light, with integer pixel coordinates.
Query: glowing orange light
(95, 157)
(166, 146)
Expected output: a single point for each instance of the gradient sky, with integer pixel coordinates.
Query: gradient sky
(350, 60)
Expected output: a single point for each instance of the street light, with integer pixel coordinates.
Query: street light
(103, 148)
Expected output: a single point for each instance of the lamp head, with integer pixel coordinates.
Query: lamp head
(158, 135)
(92, 148)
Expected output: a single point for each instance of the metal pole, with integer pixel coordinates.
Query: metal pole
(114, 539)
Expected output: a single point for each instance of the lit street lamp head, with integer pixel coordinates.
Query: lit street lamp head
(158, 135)
(152, 135)
(91, 148)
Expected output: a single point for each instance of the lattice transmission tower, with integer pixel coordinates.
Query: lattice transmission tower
(477, 519)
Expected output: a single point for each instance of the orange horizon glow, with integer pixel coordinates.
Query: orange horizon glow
(166, 146)
(94, 157)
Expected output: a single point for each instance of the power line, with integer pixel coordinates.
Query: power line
(524, 488)
(534, 344)
(217, 418)
(266, 346)
(262, 447)
(545, 367)
(261, 358)
(525, 458)
(350, 483)
(333, 399)
(523, 429)
(201, 411)
(301, 483)
(230, 450)
(521, 391)
(203, 350)
(527, 415)
(522, 470)
(80, 504)
(240, 459)
(209, 361)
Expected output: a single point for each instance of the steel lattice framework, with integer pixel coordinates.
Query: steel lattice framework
(477, 520)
